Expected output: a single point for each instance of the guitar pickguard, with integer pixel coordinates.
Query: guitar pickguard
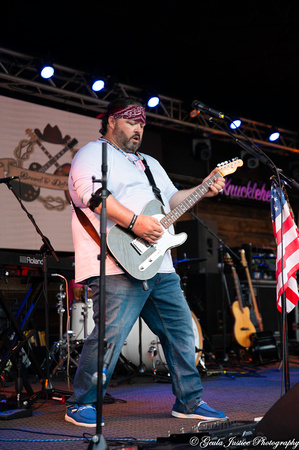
(139, 258)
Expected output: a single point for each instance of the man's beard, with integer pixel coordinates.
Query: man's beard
(126, 143)
(131, 146)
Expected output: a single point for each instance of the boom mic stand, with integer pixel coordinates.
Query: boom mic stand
(261, 156)
(98, 440)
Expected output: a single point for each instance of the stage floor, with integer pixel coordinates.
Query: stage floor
(140, 411)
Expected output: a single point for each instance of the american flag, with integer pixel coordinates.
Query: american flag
(287, 244)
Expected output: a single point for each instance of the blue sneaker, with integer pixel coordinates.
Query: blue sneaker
(82, 415)
(203, 412)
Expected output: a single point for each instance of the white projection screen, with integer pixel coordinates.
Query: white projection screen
(37, 145)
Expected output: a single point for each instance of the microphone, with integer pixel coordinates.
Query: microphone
(8, 179)
(196, 104)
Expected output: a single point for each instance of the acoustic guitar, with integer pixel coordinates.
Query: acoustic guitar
(255, 307)
(243, 327)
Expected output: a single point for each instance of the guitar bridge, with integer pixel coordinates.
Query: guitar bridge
(140, 245)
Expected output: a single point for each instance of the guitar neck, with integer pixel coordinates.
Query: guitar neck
(255, 307)
(36, 139)
(238, 288)
(188, 202)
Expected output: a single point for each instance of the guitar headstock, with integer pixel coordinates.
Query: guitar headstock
(228, 167)
(243, 258)
(31, 134)
(228, 259)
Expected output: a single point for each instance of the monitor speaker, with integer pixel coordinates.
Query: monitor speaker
(265, 292)
(280, 423)
(200, 249)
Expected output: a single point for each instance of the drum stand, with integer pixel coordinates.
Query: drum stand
(63, 346)
(140, 370)
(65, 353)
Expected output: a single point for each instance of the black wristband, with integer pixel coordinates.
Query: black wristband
(134, 218)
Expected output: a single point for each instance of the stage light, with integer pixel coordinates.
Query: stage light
(98, 85)
(153, 101)
(235, 124)
(47, 71)
(274, 135)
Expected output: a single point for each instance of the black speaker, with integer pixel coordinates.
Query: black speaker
(200, 248)
(204, 296)
(265, 292)
(281, 421)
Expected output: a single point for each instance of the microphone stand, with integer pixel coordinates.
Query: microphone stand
(98, 440)
(261, 156)
(46, 248)
(222, 246)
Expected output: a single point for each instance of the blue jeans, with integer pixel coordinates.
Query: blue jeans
(165, 310)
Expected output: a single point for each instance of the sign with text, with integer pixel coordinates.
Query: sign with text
(251, 191)
(37, 146)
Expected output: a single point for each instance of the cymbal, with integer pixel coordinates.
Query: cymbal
(191, 260)
(264, 257)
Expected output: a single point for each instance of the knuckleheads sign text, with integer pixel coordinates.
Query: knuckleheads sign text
(249, 191)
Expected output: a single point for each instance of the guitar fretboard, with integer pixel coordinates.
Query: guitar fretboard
(188, 202)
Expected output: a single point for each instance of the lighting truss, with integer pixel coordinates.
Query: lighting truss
(19, 73)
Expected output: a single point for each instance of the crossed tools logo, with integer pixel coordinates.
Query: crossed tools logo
(51, 175)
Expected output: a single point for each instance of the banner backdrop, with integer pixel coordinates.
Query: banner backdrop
(37, 145)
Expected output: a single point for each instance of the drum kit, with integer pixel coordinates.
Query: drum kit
(152, 355)
(142, 346)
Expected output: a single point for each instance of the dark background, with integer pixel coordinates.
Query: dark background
(241, 58)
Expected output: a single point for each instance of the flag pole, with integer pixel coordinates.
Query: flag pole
(284, 337)
(283, 222)
(285, 345)
(257, 152)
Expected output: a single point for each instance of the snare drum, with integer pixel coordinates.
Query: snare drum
(82, 320)
(152, 354)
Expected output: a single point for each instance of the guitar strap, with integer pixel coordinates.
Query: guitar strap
(150, 177)
(86, 223)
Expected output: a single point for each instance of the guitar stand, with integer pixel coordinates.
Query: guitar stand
(13, 352)
(140, 370)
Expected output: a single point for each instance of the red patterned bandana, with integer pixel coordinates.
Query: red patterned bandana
(135, 113)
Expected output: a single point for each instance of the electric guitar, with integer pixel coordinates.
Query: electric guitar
(255, 307)
(143, 260)
(243, 327)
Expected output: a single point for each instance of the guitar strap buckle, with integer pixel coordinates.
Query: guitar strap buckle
(157, 193)
(145, 285)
